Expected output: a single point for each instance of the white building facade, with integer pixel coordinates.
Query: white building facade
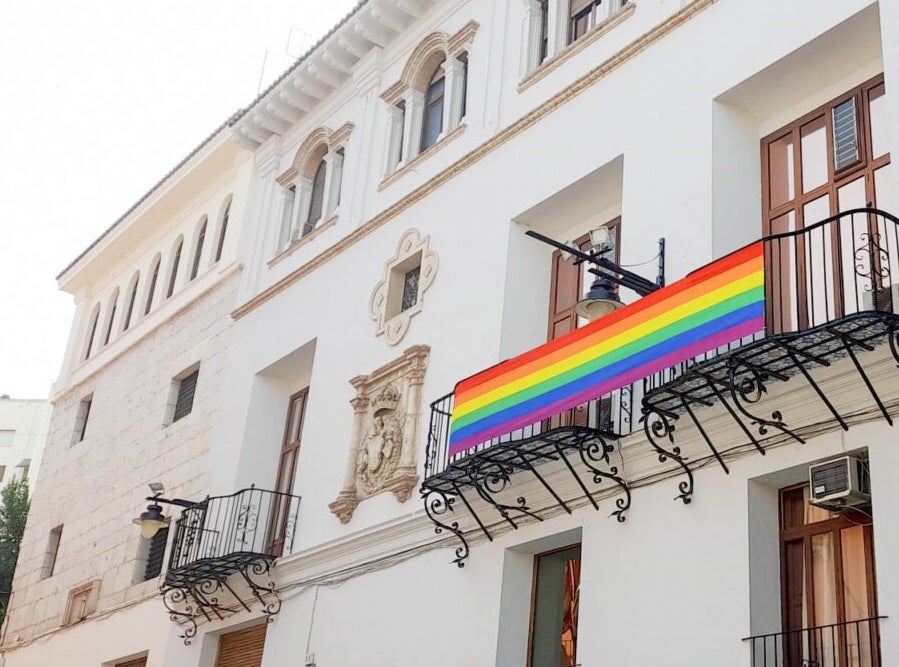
(383, 196)
(24, 424)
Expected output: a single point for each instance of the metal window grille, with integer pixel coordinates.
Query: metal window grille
(156, 554)
(185, 401)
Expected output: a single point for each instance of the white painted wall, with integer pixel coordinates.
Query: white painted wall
(29, 420)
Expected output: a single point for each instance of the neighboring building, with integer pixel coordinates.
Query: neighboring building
(23, 432)
(630, 491)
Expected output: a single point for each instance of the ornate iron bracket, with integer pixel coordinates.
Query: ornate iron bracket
(437, 503)
(207, 593)
(594, 452)
(659, 425)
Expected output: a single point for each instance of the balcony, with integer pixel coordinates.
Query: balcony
(698, 370)
(222, 555)
(847, 644)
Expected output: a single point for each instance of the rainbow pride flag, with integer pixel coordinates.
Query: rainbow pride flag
(719, 303)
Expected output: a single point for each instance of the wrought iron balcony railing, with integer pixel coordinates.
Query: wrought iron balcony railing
(787, 306)
(848, 644)
(222, 552)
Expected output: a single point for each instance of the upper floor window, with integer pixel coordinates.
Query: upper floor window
(132, 297)
(151, 289)
(92, 330)
(173, 271)
(552, 25)
(198, 249)
(429, 100)
(110, 316)
(432, 124)
(310, 193)
(223, 228)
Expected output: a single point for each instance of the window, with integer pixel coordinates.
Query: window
(552, 25)
(154, 275)
(7, 436)
(92, 330)
(2, 472)
(429, 101)
(827, 577)
(554, 609)
(110, 317)
(155, 554)
(173, 272)
(410, 288)
(84, 411)
(432, 124)
(137, 662)
(311, 188)
(287, 465)
(224, 228)
(830, 160)
(198, 249)
(317, 198)
(132, 297)
(52, 551)
(186, 387)
(242, 648)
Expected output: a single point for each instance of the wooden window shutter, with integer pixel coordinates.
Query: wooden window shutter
(137, 662)
(242, 648)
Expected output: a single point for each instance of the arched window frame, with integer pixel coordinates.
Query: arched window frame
(172, 281)
(222, 230)
(152, 284)
(109, 322)
(131, 296)
(413, 110)
(91, 332)
(199, 242)
(310, 188)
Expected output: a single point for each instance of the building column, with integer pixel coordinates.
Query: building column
(395, 129)
(453, 90)
(415, 106)
(530, 42)
(334, 174)
(557, 26)
(301, 207)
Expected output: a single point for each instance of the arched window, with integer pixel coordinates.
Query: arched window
(92, 330)
(224, 228)
(110, 318)
(198, 249)
(316, 198)
(173, 272)
(151, 291)
(432, 124)
(132, 297)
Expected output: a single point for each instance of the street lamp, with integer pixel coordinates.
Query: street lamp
(152, 520)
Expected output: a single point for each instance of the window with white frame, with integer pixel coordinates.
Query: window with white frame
(552, 25)
(91, 331)
(310, 188)
(429, 100)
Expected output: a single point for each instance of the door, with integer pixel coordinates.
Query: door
(569, 284)
(827, 583)
(279, 528)
(830, 160)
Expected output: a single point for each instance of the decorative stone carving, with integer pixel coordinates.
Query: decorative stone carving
(384, 447)
(396, 300)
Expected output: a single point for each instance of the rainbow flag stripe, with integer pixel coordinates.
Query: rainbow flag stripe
(719, 303)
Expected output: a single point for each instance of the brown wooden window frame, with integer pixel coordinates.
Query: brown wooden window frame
(287, 467)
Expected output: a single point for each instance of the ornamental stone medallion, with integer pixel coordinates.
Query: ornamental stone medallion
(399, 296)
(384, 447)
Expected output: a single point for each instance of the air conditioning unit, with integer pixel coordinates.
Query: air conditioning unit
(884, 299)
(839, 484)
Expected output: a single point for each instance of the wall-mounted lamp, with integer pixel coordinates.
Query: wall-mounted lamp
(153, 520)
(602, 298)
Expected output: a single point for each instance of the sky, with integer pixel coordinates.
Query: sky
(98, 100)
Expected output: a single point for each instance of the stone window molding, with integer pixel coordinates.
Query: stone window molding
(383, 454)
(310, 187)
(387, 306)
(405, 99)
